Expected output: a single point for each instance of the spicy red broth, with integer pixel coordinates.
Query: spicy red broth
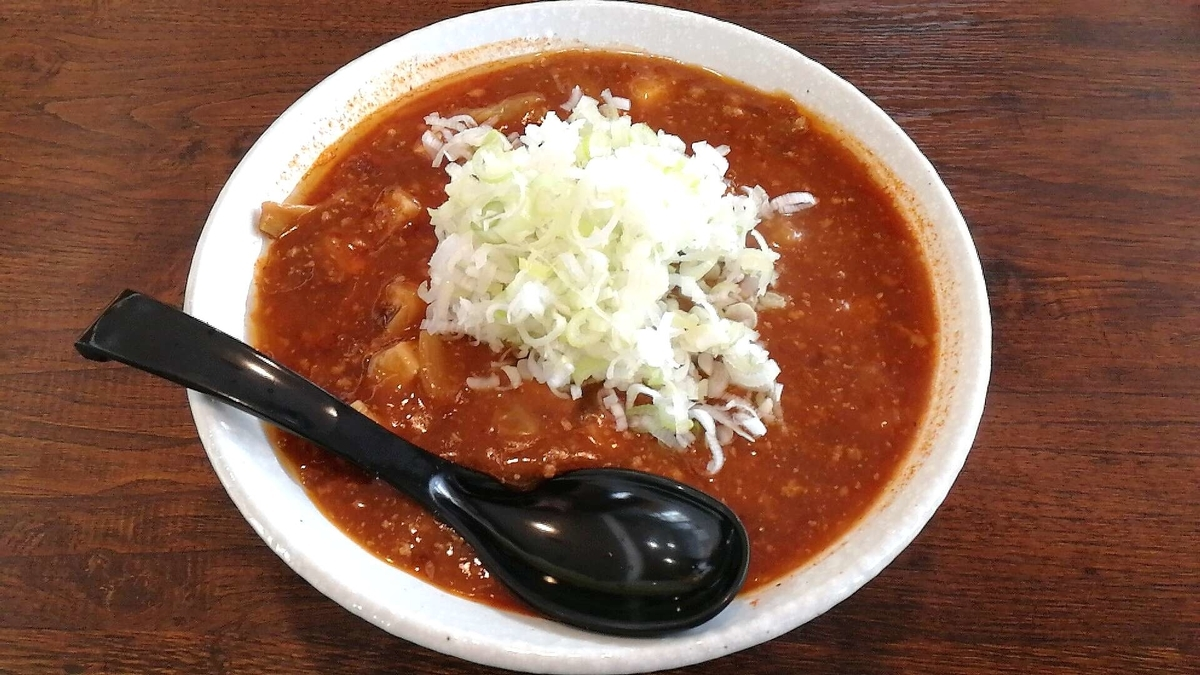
(856, 343)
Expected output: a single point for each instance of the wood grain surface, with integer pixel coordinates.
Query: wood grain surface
(1067, 131)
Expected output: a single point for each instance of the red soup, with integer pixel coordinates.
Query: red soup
(855, 343)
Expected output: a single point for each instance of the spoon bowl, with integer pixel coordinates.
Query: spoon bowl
(607, 550)
(617, 551)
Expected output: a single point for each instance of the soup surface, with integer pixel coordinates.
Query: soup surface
(856, 342)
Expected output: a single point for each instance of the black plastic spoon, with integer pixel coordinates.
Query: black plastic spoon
(607, 550)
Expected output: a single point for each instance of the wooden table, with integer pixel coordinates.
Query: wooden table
(1069, 133)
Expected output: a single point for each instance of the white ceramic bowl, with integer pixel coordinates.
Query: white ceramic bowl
(277, 507)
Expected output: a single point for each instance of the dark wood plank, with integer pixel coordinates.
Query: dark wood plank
(1066, 131)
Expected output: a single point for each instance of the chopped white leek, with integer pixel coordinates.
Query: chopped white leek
(602, 251)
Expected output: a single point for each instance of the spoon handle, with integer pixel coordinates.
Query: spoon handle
(142, 332)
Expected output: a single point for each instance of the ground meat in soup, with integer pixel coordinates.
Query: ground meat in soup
(335, 299)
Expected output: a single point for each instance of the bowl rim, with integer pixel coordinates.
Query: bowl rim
(612, 655)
